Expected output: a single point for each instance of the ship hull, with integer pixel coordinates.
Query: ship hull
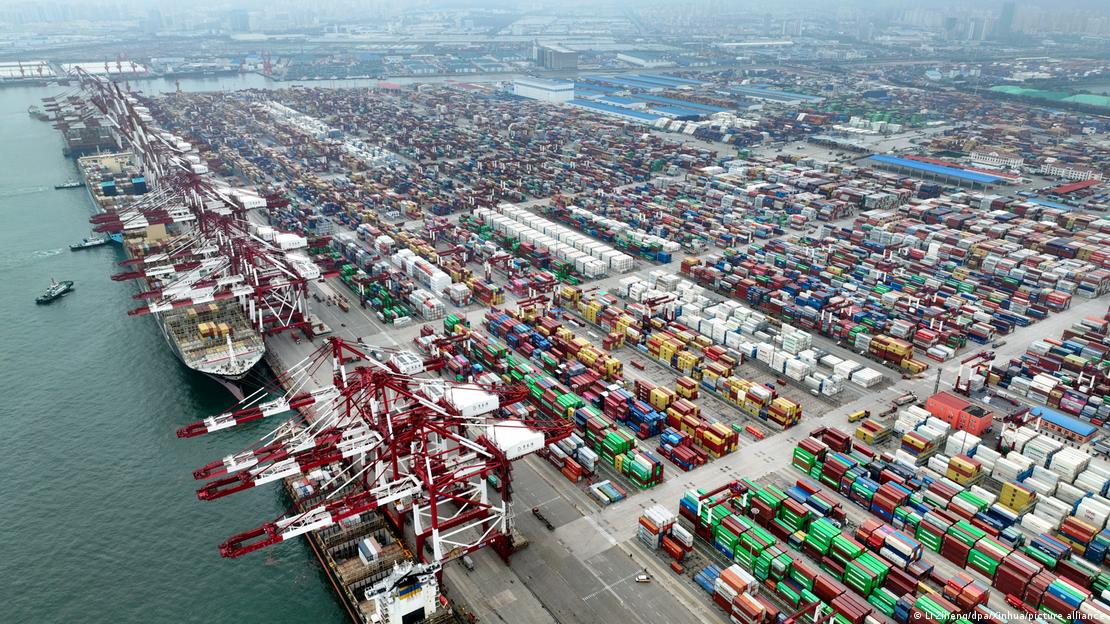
(229, 378)
(225, 371)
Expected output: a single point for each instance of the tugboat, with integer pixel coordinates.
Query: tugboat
(37, 113)
(89, 242)
(69, 184)
(56, 290)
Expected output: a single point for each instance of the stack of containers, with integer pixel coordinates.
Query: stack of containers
(961, 532)
(707, 578)
(569, 242)
(655, 524)
(732, 582)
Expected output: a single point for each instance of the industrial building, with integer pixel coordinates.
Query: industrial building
(554, 57)
(544, 90)
(616, 111)
(774, 95)
(959, 413)
(948, 175)
(645, 59)
(1071, 172)
(1063, 427)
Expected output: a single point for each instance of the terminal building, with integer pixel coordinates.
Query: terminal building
(997, 157)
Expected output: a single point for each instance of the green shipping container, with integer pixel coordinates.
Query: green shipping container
(928, 539)
(787, 593)
(745, 558)
(982, 563)
(932, 609)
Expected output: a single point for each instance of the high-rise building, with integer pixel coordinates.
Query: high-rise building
(1004, 29)
(239, 21)
(154, 21)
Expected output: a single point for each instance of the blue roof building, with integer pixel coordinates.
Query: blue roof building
(666, 101)
(618, 111)
(677, 112)
(1065, 426)
(674, 80)
(931, 170)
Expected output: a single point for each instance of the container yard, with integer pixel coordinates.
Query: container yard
(703, 346)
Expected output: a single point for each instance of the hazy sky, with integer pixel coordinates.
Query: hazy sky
(766, 5)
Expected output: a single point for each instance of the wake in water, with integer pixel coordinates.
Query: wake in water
(25, 190)
(15, 260)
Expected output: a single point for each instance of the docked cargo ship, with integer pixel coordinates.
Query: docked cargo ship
(214, 338)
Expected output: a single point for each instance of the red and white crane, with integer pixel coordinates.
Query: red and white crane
(419, 449)
(220, 259)
(977, 364)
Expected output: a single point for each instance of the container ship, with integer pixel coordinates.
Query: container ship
(213, 338)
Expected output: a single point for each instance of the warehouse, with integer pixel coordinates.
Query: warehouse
(625, 82)
(672, 80)
(677, 112)
(666, 101)
(774, 95)
(544, 90)
(626, 113)
(949, 175)
(1064, 189)
(1061, 427)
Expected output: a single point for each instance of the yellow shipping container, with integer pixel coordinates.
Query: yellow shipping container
(686, 361)
(1016, 497)
(614, 367)
(661, 398)
(914, 442)
(787, 406)
(687, 388)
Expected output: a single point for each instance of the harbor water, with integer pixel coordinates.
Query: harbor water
(100, 520)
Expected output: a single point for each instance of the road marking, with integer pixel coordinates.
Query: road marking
(608, 586)
(548, 501)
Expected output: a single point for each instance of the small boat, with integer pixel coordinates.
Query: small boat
(89, 242)
(57, 289)
(70, 184)
(38, 113)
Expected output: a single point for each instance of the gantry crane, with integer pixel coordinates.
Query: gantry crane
(418, 449)
(969, 366)
(221, 259)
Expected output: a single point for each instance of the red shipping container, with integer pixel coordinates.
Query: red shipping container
(1080, 576)
(954, 550)
(900, 582)
(826, 587)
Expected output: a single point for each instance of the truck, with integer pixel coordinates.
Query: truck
(858, 415)
(905, 399)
